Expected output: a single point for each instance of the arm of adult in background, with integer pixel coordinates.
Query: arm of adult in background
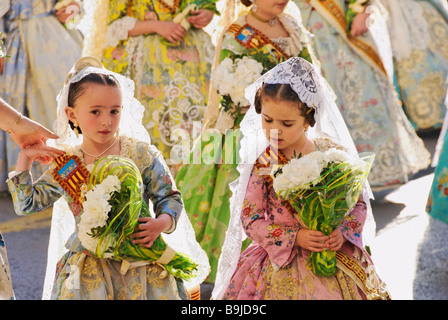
(171, 31)
(201, 18)
(359, 25)
(69, 11)
(24, 131)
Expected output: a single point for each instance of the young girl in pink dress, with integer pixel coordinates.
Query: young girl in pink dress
(294, 107)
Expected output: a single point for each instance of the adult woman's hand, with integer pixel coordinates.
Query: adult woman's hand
(173, 32)
(359, 24)
(201, 18)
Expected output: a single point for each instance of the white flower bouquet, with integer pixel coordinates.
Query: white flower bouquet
(112, 204)
(323, 187)
(231, 78)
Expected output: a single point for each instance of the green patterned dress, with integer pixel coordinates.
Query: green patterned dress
(171, 80)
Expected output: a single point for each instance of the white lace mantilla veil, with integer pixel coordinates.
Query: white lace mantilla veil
(183, 239)
(313, 90)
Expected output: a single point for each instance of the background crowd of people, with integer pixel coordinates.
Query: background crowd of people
(383, 62)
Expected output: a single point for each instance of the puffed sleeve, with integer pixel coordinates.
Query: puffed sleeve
(160, 187)
(261, 225)
(30, 197)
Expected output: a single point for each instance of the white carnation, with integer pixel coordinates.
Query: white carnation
(337, 156)
(298, 172)
(226, 85)
(307, 169)
(233, 77)
(96, 209)
(111, 184)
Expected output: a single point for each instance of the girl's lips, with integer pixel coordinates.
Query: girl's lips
(104, 132)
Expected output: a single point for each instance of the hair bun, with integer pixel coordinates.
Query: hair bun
(88, 61)
(82, 63)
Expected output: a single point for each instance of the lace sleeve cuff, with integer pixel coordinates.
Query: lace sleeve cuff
(118, 30)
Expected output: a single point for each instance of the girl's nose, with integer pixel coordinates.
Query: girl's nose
(275, 132)
(106, 120)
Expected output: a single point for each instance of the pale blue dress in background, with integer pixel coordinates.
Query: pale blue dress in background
(419, 33)
(41, 51)
(368, 102)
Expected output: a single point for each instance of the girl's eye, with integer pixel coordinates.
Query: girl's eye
(267, 120)
(287, 124)
(115, 111)
(94, 111)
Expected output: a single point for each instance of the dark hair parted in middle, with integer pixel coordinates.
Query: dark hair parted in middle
(284, 92)
(77, 88)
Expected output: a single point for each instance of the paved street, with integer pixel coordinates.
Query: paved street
(410, 248)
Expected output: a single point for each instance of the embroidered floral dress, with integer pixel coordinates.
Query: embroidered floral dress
(171, 80)
(418, 32)
(205, 185)
(273, 268)
(80, 275)
(365, 94)
(41, 53)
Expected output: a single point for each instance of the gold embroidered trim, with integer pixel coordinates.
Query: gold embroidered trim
(71, 174)
(252, 38)
(173, 8)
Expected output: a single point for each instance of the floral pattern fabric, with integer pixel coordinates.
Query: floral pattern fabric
(421, 74)
(82, 276)
(171, 80)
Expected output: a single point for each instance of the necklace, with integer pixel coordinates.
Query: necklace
(272, 22)
(96, 157)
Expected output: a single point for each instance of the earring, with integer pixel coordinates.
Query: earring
(254, 6)
(75, 128)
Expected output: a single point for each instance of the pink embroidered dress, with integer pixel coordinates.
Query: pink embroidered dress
(272, 267)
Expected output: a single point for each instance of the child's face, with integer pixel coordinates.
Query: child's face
(98, 112)
(283, 124)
